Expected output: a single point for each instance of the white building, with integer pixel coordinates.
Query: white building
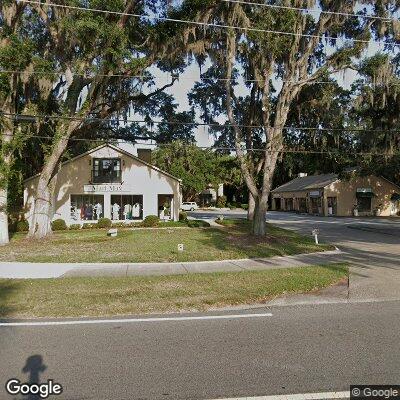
(211, 194)
(112, 183)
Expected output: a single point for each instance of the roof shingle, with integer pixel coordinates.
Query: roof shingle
(307, 183)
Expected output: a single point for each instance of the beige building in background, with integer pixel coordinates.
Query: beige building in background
(328, 195)
(112, 183)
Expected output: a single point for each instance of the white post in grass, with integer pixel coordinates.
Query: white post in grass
(315, 233)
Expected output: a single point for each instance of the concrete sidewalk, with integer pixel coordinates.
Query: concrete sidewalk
(20, 270)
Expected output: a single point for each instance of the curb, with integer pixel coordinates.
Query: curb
(18, 270)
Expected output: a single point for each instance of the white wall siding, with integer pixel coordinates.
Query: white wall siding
(137, 179)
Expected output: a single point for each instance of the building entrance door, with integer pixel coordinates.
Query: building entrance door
(332, 205)
(315, 205)
(166, 206)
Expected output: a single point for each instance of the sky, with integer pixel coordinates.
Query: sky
(191, 75)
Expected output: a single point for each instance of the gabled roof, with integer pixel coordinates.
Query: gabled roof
(307, 183)
(118, 149)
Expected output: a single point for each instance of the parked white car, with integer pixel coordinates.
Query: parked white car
(189, 206)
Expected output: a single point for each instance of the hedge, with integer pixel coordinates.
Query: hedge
(151, 221)
(59, 225)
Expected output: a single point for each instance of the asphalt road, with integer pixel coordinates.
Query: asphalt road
(317, 348)
(370, 245)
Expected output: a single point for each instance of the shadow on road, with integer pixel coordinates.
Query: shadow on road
(34, 366)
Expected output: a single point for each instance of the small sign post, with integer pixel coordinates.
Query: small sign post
(315, 233)
(180, 247)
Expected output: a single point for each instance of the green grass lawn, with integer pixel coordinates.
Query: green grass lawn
(152, 245)
(74, 297)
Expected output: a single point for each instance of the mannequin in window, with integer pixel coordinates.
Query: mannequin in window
(89, 212)
(74, 213)
(84, 211)
(161, 212)
(98, 208)
(115, 211)
(127, 211)
(136, 211)
(78, 213)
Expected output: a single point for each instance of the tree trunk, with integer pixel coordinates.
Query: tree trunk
(250, 211)
(5, 167)
(42, 211)
(259, 227)
(4, 239)
(40, 226)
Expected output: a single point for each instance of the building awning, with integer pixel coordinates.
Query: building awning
(365, 195)
(395, 197)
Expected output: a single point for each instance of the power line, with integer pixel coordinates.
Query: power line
(222, 148)
(31, 118)
(312, 11)
(204, 24)
(172, 77)
(127, 76)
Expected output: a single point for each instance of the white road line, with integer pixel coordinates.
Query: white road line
(133, 320)
(302, 396)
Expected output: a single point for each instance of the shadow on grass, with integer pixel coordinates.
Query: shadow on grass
(7, 289)
(236, 235)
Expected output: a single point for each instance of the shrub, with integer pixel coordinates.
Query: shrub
(221, 202)
(198, 223)
(22, 226)
(117, 224)
(245, 206)
(151, 221)
(75, 227)
(89, 226)
(124, 224)
(183, 216)
(59, 225)
(104, 223)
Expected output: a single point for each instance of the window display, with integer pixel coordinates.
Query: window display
(127, 207)
(115, 211)
(87, 207)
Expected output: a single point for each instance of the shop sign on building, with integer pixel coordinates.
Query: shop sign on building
(364, 190)
(102, 188)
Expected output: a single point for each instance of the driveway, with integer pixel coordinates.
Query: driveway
(371, 246)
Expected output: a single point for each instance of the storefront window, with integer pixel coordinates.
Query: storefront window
(87, 207)
(126, 207)
(316, 205)
(289, 204)
(302, 205)
(364, 204)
